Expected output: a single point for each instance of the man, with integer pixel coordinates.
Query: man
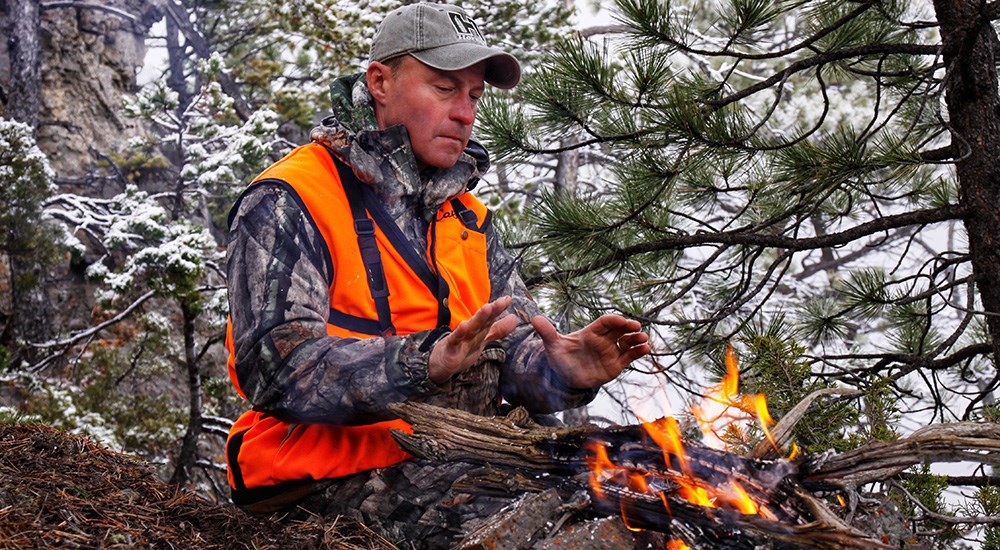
(362, 273)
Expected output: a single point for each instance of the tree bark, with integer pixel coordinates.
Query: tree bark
(24, 49)
(31, 316)
(974, 114)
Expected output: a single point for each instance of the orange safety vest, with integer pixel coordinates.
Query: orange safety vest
(443, 288)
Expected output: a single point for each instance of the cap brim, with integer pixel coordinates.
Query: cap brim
(502, 69)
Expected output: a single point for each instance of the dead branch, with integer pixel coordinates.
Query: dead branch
(87, 5)
(882, 460)
(66, 343)
(782, 432)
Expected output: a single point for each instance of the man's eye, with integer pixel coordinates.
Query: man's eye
(444, 89)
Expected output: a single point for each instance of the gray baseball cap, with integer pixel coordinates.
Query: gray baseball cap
(443, 37)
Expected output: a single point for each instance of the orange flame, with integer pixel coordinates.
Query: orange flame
(741, 500)
(721, 408)
(599, 463)
(693, 493)
(625, 519)
(667, 434)
(794, 452)
(732, 379)
(764, 417)
(677, 544)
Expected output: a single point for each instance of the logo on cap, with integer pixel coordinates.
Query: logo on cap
(466, 27)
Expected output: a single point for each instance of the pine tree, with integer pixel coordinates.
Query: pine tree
(29, 243)
(821, 172)
(766, 158)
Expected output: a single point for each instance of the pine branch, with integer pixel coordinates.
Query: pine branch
(807, 43)
(748, 237)
(823, 59)
(913, 361)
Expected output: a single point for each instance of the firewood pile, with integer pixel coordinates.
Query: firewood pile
(59, 490)
(588, 487)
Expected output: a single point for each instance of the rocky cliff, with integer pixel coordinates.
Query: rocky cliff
(90, 57)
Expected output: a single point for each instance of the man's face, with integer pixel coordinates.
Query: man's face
(437, 107)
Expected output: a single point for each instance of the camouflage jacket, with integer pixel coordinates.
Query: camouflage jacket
(279, 295)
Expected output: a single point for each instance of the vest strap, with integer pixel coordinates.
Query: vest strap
(233, 454)
(468, 217)
(363, 202)
(354, 323)
(364, 227)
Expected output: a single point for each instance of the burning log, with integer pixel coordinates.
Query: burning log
(703, 496)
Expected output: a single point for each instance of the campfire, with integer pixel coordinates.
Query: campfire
(651, 480)
(713, 481)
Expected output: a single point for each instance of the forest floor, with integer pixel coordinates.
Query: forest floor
(59, 490)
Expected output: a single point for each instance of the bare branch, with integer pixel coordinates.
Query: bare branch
(84, 334)
(605, 29)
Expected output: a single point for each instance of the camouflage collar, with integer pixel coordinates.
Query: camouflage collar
(384, 158)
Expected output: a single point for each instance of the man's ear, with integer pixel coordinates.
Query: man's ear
(377, 77)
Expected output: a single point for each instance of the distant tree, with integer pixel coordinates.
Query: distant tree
(816, 173)
(29, 243)
(159, 251)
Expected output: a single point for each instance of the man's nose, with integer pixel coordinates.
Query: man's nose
(464, 110)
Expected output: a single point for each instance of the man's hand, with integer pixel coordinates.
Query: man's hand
(459, 350)
(595, 354)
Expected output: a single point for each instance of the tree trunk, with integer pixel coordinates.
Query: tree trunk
(31, 319)
(31, 310)
(974, 113)
(176, 56)
(25, 62)
(189, 448)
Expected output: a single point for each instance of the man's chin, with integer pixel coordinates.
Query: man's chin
(443, 160)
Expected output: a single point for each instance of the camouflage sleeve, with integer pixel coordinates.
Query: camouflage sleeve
(527, 378)
(287, 366)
